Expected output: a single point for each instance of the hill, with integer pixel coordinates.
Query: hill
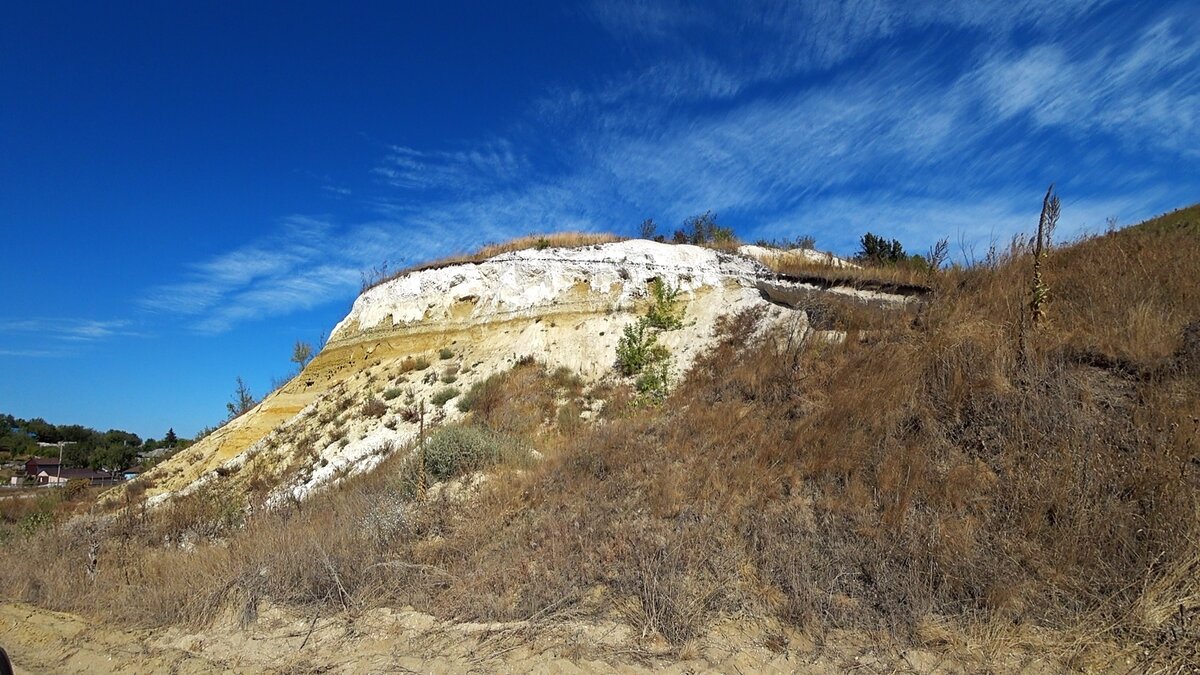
(1186, 220)
(437, 331)
(836, 464)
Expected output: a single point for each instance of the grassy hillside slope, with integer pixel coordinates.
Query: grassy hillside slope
(956, 469)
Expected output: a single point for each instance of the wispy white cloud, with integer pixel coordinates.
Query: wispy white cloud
(716, 51)
(52, 337)
(68, 329)
(302, 265)
(1146, 93)
(36, 353)
(918, 132)
(279, 295)
(788, 118)
(210, 282)
(457, 170)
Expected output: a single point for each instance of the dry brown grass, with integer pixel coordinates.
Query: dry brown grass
(891, 279)
(957, 468)
(518, 402)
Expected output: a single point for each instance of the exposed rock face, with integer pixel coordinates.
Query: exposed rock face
(563, 307)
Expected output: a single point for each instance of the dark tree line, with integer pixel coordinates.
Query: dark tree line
(876, 250)
(82, 446)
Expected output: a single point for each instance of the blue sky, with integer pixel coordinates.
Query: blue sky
(188, 188)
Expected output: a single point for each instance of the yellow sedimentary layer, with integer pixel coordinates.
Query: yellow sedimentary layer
(356, 351)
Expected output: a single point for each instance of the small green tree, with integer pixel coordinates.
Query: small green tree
(638, 351)
(876, 249)
(666, 312)
(112, 457)
(170, 439)
(704, 230)
(638, 348)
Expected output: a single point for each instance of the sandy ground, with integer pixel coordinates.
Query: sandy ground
(401, 641)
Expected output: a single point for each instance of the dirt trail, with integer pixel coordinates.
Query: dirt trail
(385, 640)
(42, 641)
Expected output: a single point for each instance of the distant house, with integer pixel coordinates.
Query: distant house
(36, 465)
(131, 473)
(62, 476)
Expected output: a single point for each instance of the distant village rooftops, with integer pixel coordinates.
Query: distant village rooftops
(35, 464)
(48, 470)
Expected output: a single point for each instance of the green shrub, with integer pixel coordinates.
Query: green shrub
(638, 348)
(639, 352)
(440, 398)
(74, 489)
(705, 231)
(653, 383)
(392, 393)
(33, 522)
(876, 250)
(445, 353)
(457, 450)
(666, 312)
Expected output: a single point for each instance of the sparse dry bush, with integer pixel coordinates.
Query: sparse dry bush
(202, 515)
(568, 422)
(566, 379)
(374, 408)
(410, 364)
(516, 402)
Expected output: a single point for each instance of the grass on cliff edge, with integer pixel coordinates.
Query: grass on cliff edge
(382, 274)
(953, 469)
